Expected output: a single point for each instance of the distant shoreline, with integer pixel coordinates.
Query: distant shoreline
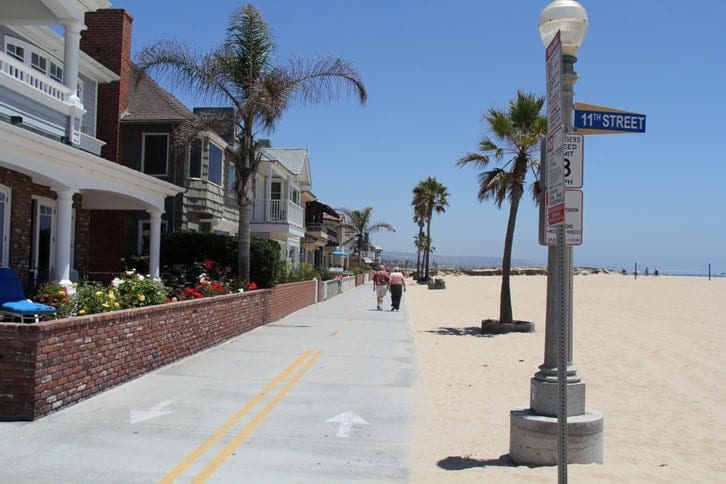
(520, 271)
(542, 271)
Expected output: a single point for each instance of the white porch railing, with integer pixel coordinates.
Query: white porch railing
(23, 79)
(278, 211)
(37, 80)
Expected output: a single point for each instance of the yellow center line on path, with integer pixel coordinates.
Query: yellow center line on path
(224, 429)
(247, 430)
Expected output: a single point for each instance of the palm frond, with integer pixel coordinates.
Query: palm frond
(317, 80)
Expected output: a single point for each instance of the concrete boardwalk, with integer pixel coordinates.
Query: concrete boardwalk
(324, 395)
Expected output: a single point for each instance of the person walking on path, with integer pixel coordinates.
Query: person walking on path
(397, 284)
(380, 284)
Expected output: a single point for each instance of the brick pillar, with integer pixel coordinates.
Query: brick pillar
(108, 40)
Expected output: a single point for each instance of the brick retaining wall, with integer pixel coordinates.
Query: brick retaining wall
(53, 364)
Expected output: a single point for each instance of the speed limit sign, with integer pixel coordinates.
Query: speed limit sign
(572, 148)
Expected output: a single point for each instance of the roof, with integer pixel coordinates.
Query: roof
(327, 209)
(293, 159)
(149, 102)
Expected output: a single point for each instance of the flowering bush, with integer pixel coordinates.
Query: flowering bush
(213, 281)
(135, 290)
(53, 294)
(94, 298)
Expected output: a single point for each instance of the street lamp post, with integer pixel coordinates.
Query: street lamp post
(536, 434)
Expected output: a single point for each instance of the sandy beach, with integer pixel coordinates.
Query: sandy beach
(651, 352)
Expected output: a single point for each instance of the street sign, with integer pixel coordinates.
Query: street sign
(572, 153)
(555, 178)
(591, 119)
(573, 220)
(555, 134)
(553, 62)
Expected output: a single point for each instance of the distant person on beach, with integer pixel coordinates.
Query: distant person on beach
(646, 271)
(655, 272)
(397, 283)
(380, 284)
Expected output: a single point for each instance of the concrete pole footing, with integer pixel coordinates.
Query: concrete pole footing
(533, 438)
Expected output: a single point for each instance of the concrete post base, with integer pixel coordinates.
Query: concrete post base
(533, 438)
(544, 398)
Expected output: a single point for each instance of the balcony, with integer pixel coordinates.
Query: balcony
(277, 212)
(46, 93)
(321, 232)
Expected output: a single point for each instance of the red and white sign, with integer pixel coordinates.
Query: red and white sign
(573, 220)
(555, 134)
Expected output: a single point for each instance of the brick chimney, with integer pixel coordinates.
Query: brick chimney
(108, 40)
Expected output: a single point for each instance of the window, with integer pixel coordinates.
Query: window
(38, 63)
(15, 51)
(155, 153)
(215, 165)
(230, 182)
(195, 159)
(56, 73)
(38, 59)
(276, 190)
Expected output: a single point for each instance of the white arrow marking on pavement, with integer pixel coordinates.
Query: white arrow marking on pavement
(153, 412)
(346, 420)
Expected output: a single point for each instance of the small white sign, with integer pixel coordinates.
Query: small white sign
(573, 220)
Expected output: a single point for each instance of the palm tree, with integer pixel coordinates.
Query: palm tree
(360, 222)
(429, 196)
(518, 130)
(420, 220)
(240, 73)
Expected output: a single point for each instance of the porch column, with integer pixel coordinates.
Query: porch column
(71, 56)
(154, 240)
(64, 227)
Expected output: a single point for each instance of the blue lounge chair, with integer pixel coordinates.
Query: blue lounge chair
(14, 304)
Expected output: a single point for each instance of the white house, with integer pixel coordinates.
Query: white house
(52, 177)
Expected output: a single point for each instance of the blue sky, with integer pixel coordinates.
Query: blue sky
(432, 68)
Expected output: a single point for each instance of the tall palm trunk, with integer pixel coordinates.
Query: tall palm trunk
(243, 240)
(246, 171)
(505, 298)
(360, 250)
(418, 252)
(428, 247)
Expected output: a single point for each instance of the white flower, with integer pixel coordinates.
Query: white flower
(140, 277)
(116, 282)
